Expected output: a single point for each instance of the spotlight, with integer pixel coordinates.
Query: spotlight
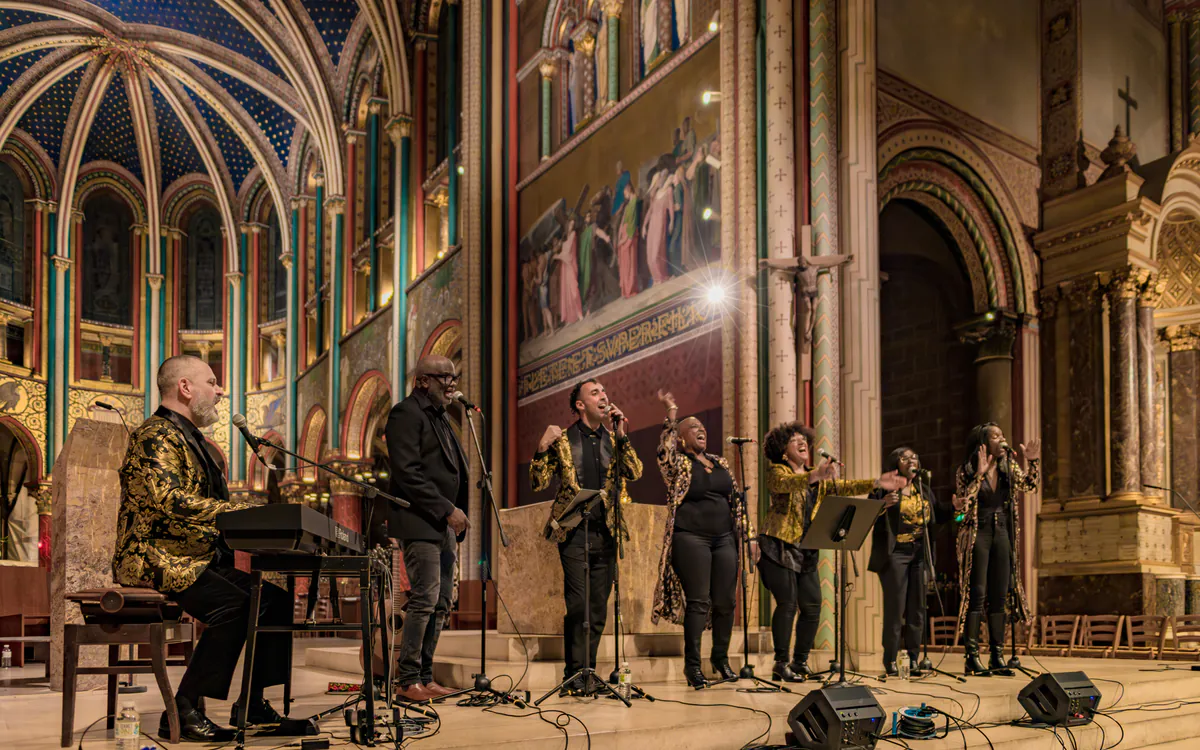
(712, 26)
(707, 214)
(708, 97)
(462, 169)
(989, 316)
(715, 294)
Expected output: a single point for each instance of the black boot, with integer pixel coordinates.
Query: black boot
(783, 673)
(799, 665)
(971, 645)
(194, 726)
(914, 658)
(997, 664)
(723, 670)
(890, 668)
(695, 677)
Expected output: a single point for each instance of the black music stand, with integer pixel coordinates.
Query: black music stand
(841, 524)
(578, 511)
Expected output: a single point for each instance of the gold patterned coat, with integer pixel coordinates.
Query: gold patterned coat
(967, 487)
(676, 468)
(794, 505)
(560, 461)
(166, 525)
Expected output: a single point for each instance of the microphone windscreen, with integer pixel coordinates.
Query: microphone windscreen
(239, 420)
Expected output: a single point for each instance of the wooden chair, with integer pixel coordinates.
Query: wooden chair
(466, 617)
(118, 617)
(1185, 638)
(1145, 636)
(1057, 635)
(943, 634)
(1100, 636)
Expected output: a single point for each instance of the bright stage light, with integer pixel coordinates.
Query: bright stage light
(707, 213)
(708, 97)
(712, 26)
(715, 295)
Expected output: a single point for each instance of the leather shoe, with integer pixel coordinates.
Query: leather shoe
(800, 668)
(890, 669)
(783, 673)
(695, 677)
(261, 713)
(195, 727)
(437, 689)
(723, 670)
(574, 687)
(415, 693)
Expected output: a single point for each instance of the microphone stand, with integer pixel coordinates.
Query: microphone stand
(1013, 596)
(483, 685)
(1176, 493)
(926, 664)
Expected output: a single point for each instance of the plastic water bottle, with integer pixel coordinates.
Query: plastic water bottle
(624, 681)
(128, 728)
(904, 667)
(6, 657)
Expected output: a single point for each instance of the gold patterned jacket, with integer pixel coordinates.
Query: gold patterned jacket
(967, 488)
(676, 468)
(794, 502)
(166, 525)
(564, 459)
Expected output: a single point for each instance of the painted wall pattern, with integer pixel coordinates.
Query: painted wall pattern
(434, 299)
(369, 349)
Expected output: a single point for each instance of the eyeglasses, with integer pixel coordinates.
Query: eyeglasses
(444, 377)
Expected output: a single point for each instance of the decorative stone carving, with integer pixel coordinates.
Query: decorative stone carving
(334, 205)
(1117, 156)
(1182, 338)
(43, 498)
(1084, 293)
(1048, 300)
(547, 67)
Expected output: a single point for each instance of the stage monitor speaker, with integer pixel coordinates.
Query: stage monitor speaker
(833, 718)
(1062, 698)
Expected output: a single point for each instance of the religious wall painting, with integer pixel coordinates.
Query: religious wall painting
(368, 349)
(433, 299)
(266, 410)
(626, 220)
(129, 407)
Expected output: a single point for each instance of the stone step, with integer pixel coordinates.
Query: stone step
(510, 647)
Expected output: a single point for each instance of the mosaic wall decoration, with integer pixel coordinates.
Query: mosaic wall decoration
(25, 400)
(267, 410)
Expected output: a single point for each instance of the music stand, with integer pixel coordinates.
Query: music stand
(578, 511)
(841, 524)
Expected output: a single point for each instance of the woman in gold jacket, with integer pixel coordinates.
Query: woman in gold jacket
(788, 572)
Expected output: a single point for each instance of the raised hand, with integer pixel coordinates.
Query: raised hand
(826, 471)
(892, 481)
(667, 399)
(959, 502)
(552, 433)
(891, 499)
(983, 461)
(1031, 451)
(618, 420)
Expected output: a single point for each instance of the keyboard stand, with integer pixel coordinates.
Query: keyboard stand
(332, 567)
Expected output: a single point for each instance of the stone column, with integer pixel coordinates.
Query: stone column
(993, 370)
(546, 68)
(400, 131)
(612, 16)
(335, 206)
(1185, 411)
(1151, 458)
(586, 49)
(1049, 300)
(1125, 453)
(1086, 395)
(43, 499)
(346, 504)
(1062, 96)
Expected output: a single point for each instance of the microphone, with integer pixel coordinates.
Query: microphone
(615, 417)
(826, 454)
(255, 443)
(110, 407)
(103, 405)
(739, 440)
(925, 474)
(460, 398)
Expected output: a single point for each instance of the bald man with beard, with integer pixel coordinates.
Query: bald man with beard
(429, 470)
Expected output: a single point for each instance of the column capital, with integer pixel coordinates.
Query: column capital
(1126, 282)
(1182, 338)
(1152, 291)
(334, 205)
(1048, 299)
(256, 228)
(994, 337)
(399, 127)
(1084, 293)
(244, 227)
(375, 106)
(286, 260)
(62, 262)
(612, 8)
(319, 178)
(76, 216)
(353, 136)
(155, 280)
(296, 202)
(234, 278)
(547, 67)
(43, 498)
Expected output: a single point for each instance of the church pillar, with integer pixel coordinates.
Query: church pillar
(612, 16)
(295, 340)
(235, 363)
(374, 107)
(585, 50)
(318, 270)
(1184, 365)
(780, 180)
(546, 68)
(347, 246)
(1049, 302)
(1151, 459)
(400, 131)
(1086, 394)
(336, 206)
(452, 116)
(42, 498)
(1125, 453)
(994, 371)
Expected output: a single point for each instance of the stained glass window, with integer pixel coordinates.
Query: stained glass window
(203, 285)
(107, 261)
(12, 237)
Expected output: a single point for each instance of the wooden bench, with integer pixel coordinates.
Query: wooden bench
(124, 616)
(20, 629)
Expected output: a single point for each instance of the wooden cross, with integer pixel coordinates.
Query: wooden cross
(1130, 104)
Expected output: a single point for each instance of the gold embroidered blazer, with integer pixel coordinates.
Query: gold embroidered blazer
(560, 460)
(166, 525)
(794, 502)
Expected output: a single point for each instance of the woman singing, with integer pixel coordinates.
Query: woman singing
(699, 564)
(987, 545)
(898, 555)
(788, 572)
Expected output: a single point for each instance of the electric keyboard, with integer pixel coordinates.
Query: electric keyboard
(286, 528)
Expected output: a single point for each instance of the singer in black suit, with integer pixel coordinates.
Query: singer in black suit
(898, 552)
(429, 470)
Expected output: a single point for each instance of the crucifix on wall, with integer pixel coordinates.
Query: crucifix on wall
(1130, 105)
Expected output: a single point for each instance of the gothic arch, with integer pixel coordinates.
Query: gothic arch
(942, 163)
(259, 479)
(31, 446)
(371, 387)
(312, 437)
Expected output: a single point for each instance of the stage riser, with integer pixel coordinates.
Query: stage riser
(506, 647)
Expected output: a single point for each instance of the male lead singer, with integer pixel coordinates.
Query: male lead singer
(581, 458)
(429, 470)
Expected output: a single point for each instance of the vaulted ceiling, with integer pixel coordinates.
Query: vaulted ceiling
(232, 90)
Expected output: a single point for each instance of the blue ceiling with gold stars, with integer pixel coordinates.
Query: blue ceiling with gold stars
(177, 153)
(11, 70)
(112, 137)
(10, 18)
(277, 124)
(238, 160)
(333, 19)
(203, 18)
(47, 118)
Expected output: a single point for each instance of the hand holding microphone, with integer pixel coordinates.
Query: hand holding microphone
(618, 419)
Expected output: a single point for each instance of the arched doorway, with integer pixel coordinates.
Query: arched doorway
(18, 513)
(928, 374)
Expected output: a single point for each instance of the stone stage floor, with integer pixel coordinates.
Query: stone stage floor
(1153, 704)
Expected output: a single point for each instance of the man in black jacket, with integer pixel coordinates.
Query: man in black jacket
(429, 470)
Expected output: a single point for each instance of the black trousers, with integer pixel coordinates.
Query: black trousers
(220, 598)
(991, 573)
(903, 582)
(707, 568)
(430, 568)
(580, 648)
(793, 592)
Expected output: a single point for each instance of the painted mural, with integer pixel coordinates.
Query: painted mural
(620, 238)
(435, 312)
(368, 349)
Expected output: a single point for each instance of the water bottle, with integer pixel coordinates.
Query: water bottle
(903, 666)
(624, 680)
(6, 657)
(128, 728)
